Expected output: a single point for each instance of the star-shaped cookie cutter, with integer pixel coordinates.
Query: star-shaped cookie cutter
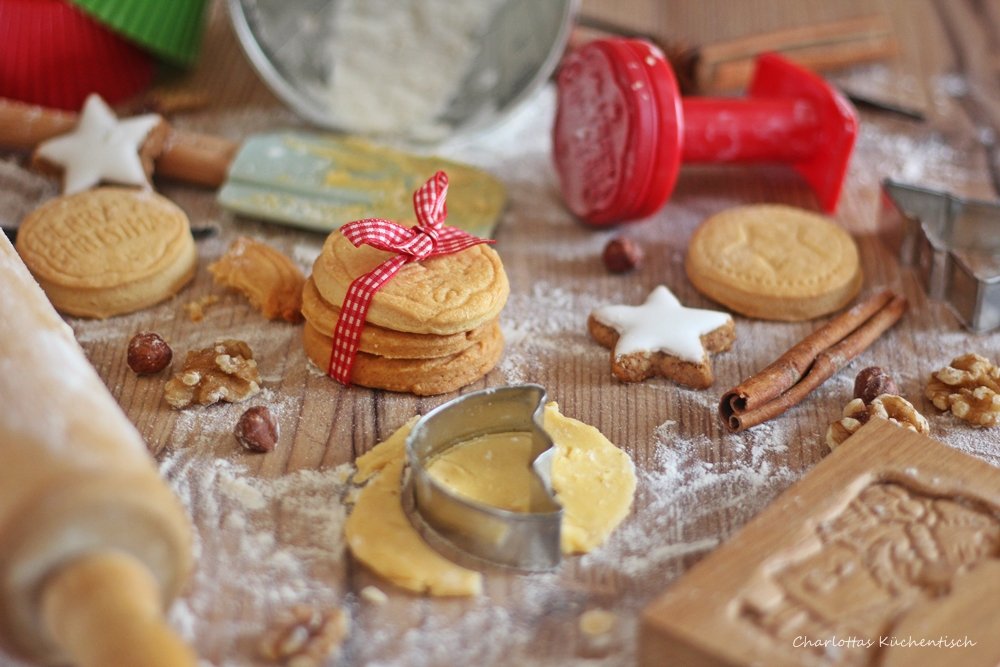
(459, 527)
(953, 243)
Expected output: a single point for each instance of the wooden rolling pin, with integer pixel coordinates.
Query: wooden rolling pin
(727, 66)
(93, 543)
(194, 158)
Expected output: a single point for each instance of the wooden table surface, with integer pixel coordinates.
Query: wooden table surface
(268, 525)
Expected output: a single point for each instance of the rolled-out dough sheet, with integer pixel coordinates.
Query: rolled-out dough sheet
(594, 481)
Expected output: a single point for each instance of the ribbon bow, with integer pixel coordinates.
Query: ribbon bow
(430, 237)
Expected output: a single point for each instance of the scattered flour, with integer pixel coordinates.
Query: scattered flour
(269, 544)
(21, 191)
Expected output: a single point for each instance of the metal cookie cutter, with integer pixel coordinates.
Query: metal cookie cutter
(954, 244)
(458, 526)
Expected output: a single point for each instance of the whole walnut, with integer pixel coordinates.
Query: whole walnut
(895, 409)
(970, 388)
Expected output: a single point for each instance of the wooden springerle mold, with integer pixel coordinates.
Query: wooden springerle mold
(891, 541)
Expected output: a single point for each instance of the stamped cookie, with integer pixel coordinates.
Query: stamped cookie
(423, 377)
(108, 251)
(662, 337)
(103, 149)
(443, 295)
(774, 262)
(387, 342)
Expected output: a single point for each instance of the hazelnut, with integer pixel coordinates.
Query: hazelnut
(148, 353)
(622, 254)
(256, 430)
(872, 382)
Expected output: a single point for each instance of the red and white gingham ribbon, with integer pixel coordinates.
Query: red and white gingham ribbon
(430, 237)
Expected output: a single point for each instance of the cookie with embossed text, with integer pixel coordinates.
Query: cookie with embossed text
(108, 251)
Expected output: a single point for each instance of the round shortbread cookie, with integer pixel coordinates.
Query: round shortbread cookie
(108, 251)
(443, 295)
(386, 342)
(774, 262)
(423, 377)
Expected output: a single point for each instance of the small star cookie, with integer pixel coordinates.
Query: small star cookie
(103, 149)
(662, 337)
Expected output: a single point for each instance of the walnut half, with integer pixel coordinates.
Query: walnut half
(225, 372)
(895, 409)
(969, 388)
(306, 637)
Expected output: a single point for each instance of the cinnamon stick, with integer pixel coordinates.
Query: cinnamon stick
(810, 363)
(727, 66)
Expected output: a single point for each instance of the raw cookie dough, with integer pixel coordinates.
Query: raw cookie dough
(380, 535)
(492, 469)
(594, 481)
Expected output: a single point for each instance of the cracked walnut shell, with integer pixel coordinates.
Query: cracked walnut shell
(307, 637)
(225, 372)
(895, 409)
(969, 388)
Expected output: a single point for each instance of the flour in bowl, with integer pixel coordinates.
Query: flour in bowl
(398, 65)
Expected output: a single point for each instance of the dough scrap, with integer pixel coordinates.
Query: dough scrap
(380, 535)
(594, 481)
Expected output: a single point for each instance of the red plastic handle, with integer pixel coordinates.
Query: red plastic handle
(622, 129)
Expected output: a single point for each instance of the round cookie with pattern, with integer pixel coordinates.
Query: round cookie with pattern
(443, 295)
(423, 377)
(322, 316)
(108, 251)
(774, 262)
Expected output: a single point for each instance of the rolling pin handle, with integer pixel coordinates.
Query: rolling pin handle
(105, 610)
(789, 115)
(200, 159)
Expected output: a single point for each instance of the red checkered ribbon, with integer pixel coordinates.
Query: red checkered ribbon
(430, 237)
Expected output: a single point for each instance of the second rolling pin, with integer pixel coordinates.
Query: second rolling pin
(94, 543)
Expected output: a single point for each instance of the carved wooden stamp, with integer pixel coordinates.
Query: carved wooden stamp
(887, 553)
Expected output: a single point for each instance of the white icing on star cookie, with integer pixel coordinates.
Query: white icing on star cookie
(661, 324)
(101, 148)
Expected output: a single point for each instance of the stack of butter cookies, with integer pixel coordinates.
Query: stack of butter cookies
(431, 329)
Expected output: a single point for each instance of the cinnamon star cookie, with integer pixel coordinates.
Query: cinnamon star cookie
(662, 337)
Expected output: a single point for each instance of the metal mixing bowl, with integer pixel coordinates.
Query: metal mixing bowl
(289, 42)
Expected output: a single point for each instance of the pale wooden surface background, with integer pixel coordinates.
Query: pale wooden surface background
(334, 425)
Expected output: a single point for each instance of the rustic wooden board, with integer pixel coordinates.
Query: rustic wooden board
(892, 538)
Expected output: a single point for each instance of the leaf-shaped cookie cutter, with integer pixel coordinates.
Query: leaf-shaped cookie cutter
(459, 527)
(953, 243)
